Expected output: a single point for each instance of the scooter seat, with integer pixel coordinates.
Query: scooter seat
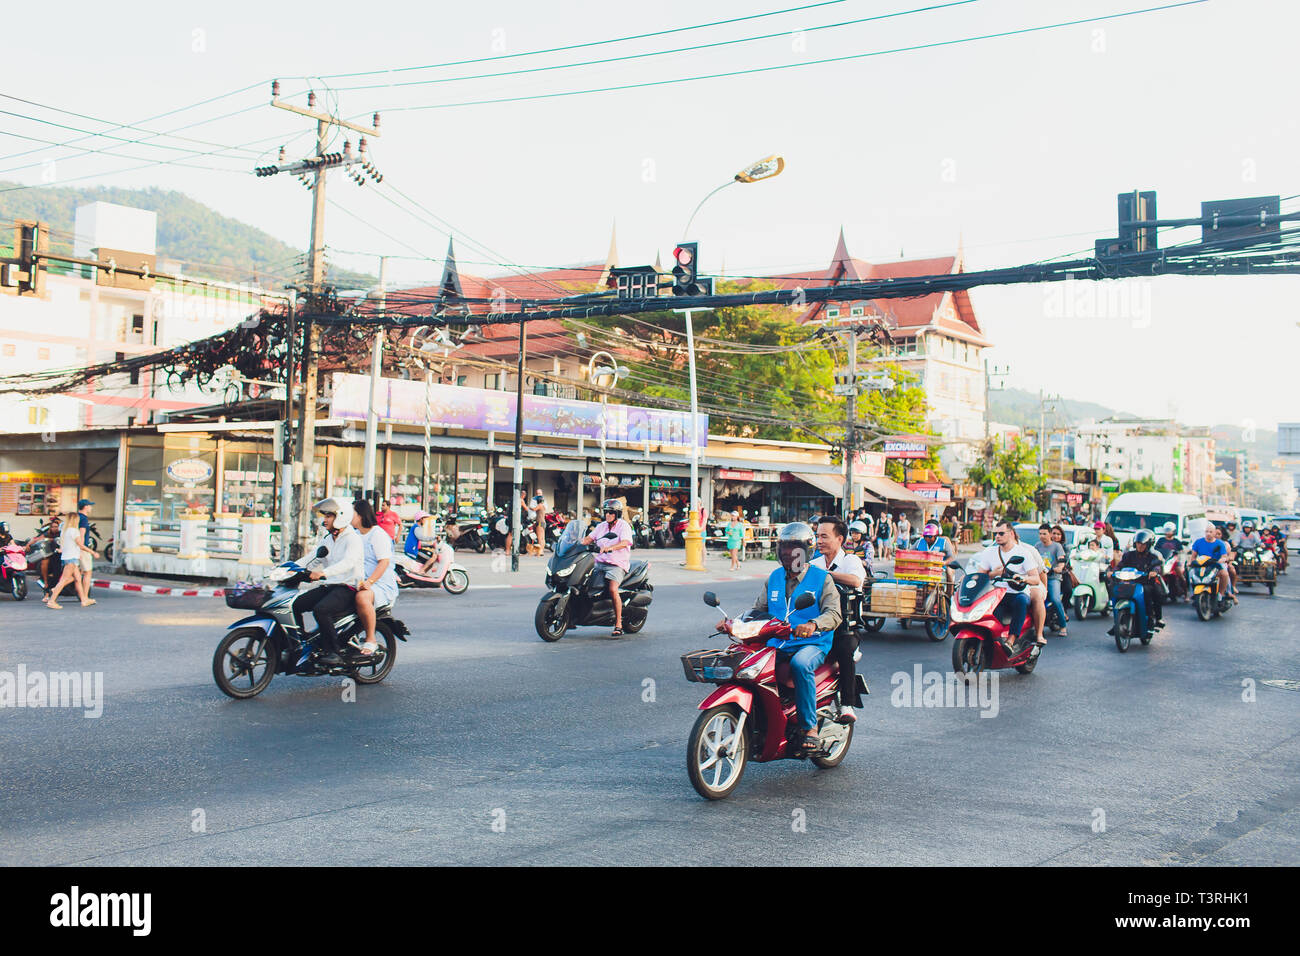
(636, 575)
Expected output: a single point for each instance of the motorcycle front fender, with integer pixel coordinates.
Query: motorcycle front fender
(265, 623)
(730, 694)
(561, 599)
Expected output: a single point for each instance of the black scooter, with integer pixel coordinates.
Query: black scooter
(574, 599)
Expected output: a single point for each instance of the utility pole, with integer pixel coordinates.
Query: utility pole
(376, 369)
(851, 408)
(518, 471)
(316, 168)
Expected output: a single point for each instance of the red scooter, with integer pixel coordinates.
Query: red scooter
(752, 713)
(979, 626)
(13, 569)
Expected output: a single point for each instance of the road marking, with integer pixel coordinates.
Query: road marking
(1284, 684)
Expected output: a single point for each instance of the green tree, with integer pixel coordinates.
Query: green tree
(1146, 483)
(1012, 475)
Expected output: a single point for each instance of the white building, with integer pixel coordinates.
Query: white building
(1175, 457)
(937, 336)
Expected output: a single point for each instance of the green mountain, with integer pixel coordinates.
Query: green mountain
(206, 242)
(1016, 406)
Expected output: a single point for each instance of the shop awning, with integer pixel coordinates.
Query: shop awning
(832, 484)
(891, 490)
(867, 498)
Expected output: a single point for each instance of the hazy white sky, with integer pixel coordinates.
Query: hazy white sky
(1016, 146)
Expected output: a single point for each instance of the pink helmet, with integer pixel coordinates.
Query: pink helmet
(930, 529)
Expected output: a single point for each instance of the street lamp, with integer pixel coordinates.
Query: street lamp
(765, 168)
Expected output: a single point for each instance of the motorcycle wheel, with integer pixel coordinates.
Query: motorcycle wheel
(873, 624)
(373, 671)
(1203, 605)
(904, 622)
(1081, 607)
(634, 619)
(968, 655)
(456, 581)
(108, 552)
(712, 774)
(1123, 629)
(20, 586)
(245, 653)
(839, 748)
(937, 628)
(548, 628)
(481, 547)
(1028, 666)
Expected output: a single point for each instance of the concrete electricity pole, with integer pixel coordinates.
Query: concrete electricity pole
(316, 167)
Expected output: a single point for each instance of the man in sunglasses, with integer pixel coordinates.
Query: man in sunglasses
(995, 561)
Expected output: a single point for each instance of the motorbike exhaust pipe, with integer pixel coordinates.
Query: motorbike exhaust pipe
(640, 599)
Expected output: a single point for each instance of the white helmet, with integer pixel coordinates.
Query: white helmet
(341, 508)
(1169, 527)
(859, 527)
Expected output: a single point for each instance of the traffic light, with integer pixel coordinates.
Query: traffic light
(1137, 207)
(684, 272)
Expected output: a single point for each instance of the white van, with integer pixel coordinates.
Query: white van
(1131, 512)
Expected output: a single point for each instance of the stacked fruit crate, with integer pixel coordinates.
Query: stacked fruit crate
(925, 567)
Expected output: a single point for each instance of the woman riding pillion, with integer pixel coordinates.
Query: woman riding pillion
(813, 628)
(379, 586)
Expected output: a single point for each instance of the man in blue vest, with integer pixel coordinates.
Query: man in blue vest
(813, 628)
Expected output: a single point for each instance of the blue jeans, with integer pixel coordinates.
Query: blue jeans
(1054, 598)
(803, 667)
(1017, 602)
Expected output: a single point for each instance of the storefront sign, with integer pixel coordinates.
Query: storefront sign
(1074, 500)
(965, 490)
(906, 449)
(189, 471)
(481, 409)
(734, 474)
(977, 504)
(32, 476)
(869, 464)
(931, 490)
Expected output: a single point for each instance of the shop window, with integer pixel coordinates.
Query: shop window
(490, 381)
(462, 379)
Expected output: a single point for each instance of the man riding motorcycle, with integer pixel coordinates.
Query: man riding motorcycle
(1216, 550)
(613, 538)
(1247, 537)
(813, 627)
(1142, 558)
(343, 570)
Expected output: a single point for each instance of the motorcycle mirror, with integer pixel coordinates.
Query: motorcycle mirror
(710, 599)
(1018, 559)
(804, 600)
(322, 551)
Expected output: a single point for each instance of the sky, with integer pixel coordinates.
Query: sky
(1012, 148)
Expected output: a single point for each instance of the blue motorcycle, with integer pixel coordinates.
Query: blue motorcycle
(1128, 599)
(270, 641)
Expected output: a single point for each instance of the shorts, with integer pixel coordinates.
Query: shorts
(611, 572)
(87, 563)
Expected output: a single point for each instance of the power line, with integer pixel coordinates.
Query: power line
(800, 64)
(654, 53)
(578, 46)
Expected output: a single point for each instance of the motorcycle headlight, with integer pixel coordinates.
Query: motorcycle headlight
(564, 572)
(753, 670)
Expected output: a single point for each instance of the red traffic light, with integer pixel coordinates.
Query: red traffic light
(684, 255)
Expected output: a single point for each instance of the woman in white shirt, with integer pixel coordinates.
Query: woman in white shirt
(71, 545)
(379, 586)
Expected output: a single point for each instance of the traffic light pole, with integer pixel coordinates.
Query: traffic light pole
(517, 480)
(851, 428)
(694, 529)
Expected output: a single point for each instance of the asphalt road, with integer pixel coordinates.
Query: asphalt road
(487, 746)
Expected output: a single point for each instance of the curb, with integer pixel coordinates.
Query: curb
(157, 589)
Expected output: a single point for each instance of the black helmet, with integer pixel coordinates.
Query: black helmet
(612, 504)
(1143, 537)
(794, 546)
